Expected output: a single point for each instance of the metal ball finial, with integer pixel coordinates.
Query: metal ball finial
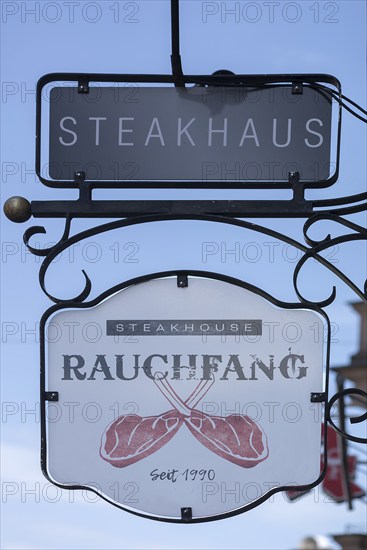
(17, 209)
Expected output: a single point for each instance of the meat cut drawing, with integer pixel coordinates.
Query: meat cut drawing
(236, 438)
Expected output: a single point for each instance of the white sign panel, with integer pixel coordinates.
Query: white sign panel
(194, 398)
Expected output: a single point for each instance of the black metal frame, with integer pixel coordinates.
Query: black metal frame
(296, 207)
(295, 82)
(49, 394)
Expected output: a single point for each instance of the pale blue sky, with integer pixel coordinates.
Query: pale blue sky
(327, 37)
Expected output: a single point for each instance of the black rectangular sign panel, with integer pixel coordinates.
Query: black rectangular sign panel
(184, 327)
(202, 134)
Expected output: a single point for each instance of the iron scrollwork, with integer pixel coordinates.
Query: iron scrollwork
(311, 251)
(353, 420)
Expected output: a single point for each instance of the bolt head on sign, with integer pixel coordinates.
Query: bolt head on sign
(194, 398)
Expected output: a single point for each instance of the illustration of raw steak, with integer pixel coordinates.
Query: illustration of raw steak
(131, 438)
(236, 438)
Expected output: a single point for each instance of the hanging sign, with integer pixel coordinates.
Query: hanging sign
(194, 134)
(183, 404)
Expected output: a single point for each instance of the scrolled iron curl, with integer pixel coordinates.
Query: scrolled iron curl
(328, 217)
(353, 420)
(324, 244)
(312, 252)
(40, 230)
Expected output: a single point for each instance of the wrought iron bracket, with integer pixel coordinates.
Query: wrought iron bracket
(86, 207)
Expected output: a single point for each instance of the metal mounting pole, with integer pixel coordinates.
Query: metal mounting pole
(344, 448)
(175, 35)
